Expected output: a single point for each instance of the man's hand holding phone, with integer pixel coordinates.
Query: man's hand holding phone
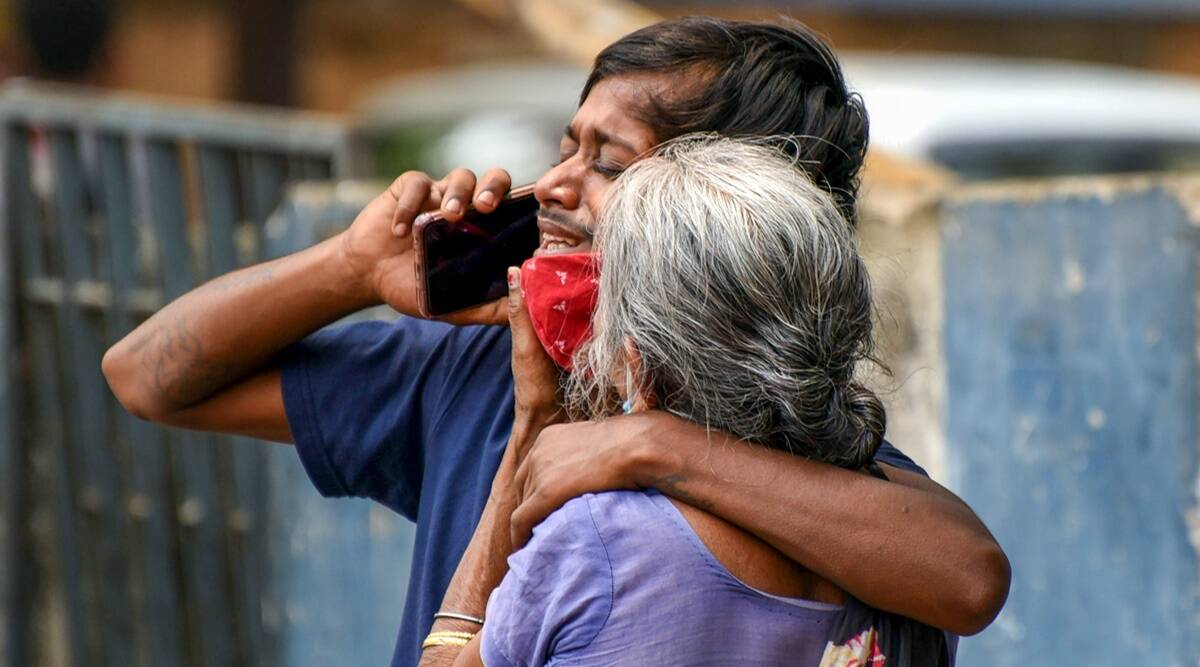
(378, 246)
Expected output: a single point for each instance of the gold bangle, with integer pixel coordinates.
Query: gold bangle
(452, 633)
(444, 641)
(447, 638)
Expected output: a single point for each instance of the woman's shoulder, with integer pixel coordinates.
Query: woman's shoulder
(606, 505)
(615, 524)
(623, 523)
(623, 515)
(645, 530)
(591, 537)
(634, 518)
(598, 512)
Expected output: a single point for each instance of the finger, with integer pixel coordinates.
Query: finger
(524, 340)
(520, 529)
(517, 313)
(492, 186)
(521, 476)
(525, 476)
(458, 186)
(415, 193)
(533, 509)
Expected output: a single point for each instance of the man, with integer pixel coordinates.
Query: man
(416, 415)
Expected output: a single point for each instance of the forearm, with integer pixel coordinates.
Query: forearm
(229, 327)
(485, 562)
(481, 569)
(897, 545)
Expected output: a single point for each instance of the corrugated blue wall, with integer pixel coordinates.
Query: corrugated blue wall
(339, 569)
(1070, 347)
(339, 572)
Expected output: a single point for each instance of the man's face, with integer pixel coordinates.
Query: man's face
(602, 140)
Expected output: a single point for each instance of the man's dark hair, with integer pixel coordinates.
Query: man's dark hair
(750, 79)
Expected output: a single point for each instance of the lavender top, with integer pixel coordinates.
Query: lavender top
(620, 578)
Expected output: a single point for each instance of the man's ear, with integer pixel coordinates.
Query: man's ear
(643, 398)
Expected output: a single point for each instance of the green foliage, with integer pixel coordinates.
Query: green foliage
(400, 149)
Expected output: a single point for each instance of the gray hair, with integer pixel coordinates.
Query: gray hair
(741, 285)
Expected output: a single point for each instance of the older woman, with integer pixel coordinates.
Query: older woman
(732, 295)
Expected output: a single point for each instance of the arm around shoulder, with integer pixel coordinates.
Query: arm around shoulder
(907, 545)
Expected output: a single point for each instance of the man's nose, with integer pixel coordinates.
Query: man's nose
(558, 187)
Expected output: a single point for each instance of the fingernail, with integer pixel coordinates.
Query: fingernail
(514, 277)
(454, 206)
(400, 229)
(487, 197)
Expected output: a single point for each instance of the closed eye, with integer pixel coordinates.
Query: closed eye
(607, 171)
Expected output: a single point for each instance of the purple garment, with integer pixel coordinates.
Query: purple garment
(620, 578)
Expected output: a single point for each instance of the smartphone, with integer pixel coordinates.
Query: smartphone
(464, 264)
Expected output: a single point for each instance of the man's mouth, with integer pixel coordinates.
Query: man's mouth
(560, 239)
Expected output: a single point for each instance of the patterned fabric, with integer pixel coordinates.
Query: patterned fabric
(560, 292)
(861, 651)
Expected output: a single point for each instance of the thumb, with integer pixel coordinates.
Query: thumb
(518, 314)
(520, 528)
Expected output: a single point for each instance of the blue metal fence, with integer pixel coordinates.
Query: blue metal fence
(138, 544)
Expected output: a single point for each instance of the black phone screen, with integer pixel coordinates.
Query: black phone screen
(466, 262)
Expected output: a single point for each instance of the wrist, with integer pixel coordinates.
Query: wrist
(504, 496)
(645, 458)
(354, 275)
(528, 424)
(531, 419)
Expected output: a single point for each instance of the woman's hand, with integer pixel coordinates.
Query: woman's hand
(535, 382)
(535, 377)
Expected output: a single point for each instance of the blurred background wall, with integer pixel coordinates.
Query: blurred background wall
(326, 54)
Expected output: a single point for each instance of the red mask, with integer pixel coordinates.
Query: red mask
(560, 292)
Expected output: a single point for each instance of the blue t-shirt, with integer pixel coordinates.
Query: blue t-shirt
(620, 578)
(415, 415)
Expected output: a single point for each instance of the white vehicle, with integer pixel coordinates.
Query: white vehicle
(991, 117)
(979, 117)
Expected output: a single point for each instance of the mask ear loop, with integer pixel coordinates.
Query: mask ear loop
(627, 406)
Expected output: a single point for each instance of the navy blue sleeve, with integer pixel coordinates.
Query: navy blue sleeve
(361, 399)
(894, 457)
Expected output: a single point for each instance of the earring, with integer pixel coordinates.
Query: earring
(627, 406)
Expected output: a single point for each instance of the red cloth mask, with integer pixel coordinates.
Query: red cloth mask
(560, 292)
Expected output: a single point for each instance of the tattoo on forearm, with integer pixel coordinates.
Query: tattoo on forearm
(175, 357)
(672, 485)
